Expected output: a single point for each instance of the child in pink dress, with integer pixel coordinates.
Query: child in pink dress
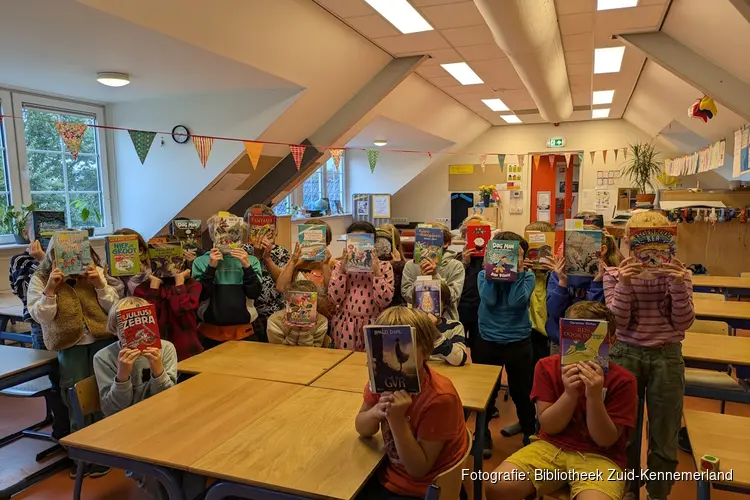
(360, 297)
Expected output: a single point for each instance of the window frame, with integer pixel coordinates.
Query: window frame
(297, 194)
(13, 178)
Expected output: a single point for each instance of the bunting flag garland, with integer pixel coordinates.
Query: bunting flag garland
(604, 155)
(72, 136)
(580, 159)
(142, 141)
(501, 161)
(336, 155)
(429, 154)
(203, 146)
(616, 151)
(592, 154)
(482, 161)
(372, 159)
(535, 160)
(552, 158)
(297, 153)
(254, 150)
(624, 153)
(567, 160)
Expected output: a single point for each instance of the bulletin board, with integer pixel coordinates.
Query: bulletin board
(373, 208)
(471, 181)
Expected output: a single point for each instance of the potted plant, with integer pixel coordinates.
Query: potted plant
(489, 195)
(16, 222)
(642, 168)
(85, 211)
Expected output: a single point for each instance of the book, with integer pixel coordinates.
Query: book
(188, 232)
(312, 241)
(302, 309)
(584, 340)
(259, 225)
(228, 233)
(392, 358)
(594, 220)
(138, 328)
(165, 253)
(72, 251)
(653, 246)
(501, 260)
(428, 244)
(573, 224)
(43, 225)
(477, 237)
(359, 247)
(427, 296)
(123, 254)
(541, 246)
(581, 249)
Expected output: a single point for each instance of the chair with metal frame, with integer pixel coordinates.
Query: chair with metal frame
(84, 401)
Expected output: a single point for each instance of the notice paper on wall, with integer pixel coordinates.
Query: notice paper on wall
(542, 215)
(381, 206)
(543, 200)
(603, 200)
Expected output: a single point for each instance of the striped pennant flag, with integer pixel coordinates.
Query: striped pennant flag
(297, 153)
(203, 146)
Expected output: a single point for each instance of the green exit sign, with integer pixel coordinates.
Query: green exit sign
(556, 142)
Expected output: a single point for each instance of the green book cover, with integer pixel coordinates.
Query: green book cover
(123, 255)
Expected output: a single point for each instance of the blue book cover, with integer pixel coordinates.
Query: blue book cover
(427, 296)
(501, 260)
(392, 358)
(428, 244)
(584, 340)
(582, 249)
(359, 248)
(312, 241)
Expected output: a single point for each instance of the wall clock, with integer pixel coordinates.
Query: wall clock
(180, 134)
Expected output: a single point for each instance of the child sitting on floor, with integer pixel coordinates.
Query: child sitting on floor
(280, 332)
(585, 418)
(450, 344)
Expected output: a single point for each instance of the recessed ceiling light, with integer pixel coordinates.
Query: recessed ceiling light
(112, 79)
(600, 113)
(603, 97)
(615, 4)
(401, 14)
(608, 60)
(380, 142)
(511, 118)
(463, 73)
(495, 104)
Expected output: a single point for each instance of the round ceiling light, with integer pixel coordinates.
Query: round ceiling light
(380, 142)
(112, 79)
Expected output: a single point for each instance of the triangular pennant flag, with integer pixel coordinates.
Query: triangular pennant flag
(580, 159)
(624, 153)
(520, 159)
(552, 159)
(604, 155)
(501, 161)
(616, 151)
(567, 160)
(142, 141)
(336, 155)
(482, 161)
(254, 150)
(592, 154)
(429, 154)
(372, 158)
(535, 159)
(297, 153)
(203, 146)
(72, 136)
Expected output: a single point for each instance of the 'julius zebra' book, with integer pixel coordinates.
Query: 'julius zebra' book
(138, 328)
(653, 246)
(584, 340)
(541, 246)
(72, 251)
(123, 254)
(392, 358)
(501, 260)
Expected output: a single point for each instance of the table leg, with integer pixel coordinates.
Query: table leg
(226, 489)
(704, 490)
(479, 428)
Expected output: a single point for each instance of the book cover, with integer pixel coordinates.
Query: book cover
(501, 260)
(541, 246)
(427, 296)
(302, 309)
(228, 233)
(138, 328)
(582, 248)
(653, 246)
(584, 340)
(359, 247)
(392, 358)
(573, 224)
(188, 232)
(477, 237)
(123, 254)
(43, 225)
(594, 220)
(72, 251)
(259, 225)
(428, 244)
(312, 241)
(165, 253)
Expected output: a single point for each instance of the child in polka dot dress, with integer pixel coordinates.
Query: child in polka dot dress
(360, 297)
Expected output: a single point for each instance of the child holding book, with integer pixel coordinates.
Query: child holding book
(359, 297)
(424, 433)
(230, 284)
(450, 344)
(652, 310)
(585, 418)
(505, 336)
(449, 270)
(468, 304)
(389, 249)
(126, 285)
(281, 332)
(319, 272)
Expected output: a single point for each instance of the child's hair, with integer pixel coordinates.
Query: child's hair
(652, 218)
(510, 235)
(142, 245)
(303, 286)
(321, 222)
(114, 311)
(475, 219)
(361, 226)
(447, 235)
(396, 236)
(611, 256)
(211, 225)
(541, 226)
(425, 331)
(587, 309)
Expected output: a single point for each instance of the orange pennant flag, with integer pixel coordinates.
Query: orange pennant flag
(535, 159)
(254, 150)
(203, 146)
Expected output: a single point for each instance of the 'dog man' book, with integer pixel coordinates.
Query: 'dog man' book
(188, 231)
(72, 251)
(138, 328)
(653, 246)
(123, 254)
(392, 358)
(501, 260)
(584, 340)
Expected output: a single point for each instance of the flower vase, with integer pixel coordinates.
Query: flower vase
(486, 200)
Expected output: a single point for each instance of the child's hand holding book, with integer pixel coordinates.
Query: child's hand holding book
(215, 257)
(397, 403)
(153, 356)
(55, 278)
(92, 274)
(592, 376)
(427, 266)
(125, 362)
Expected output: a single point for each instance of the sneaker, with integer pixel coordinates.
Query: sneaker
(511, 430)
(487, 448)
(95, 470)
(494, 413)
(683, 440)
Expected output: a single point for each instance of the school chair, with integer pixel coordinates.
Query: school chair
(84, 400)
(447, 485)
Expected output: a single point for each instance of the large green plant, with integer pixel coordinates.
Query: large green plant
(642, 166)
(15, 221)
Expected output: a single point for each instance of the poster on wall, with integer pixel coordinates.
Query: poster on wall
(363, 206)
(514, 177)
(381, 206)
(543, 200)
(603, 200)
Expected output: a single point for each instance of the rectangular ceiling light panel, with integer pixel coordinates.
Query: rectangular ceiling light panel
(400, 14)
(463, 73)
(615, 4)
(608, 60)
(496, 104)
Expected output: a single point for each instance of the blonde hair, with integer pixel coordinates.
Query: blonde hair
(544, 227)
(475, 219)
(651, 218)
(586, 309)
(447, 235)
(114, 312)
(393, 230)
(425, 331)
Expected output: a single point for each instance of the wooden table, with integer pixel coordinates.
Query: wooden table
(723, 436)
(19, 365)
(279, 363)
(721, 349)
(723, 282)
(736, 314)
(306, 446)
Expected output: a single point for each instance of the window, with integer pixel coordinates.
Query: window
(4, 192)
(284, 207)
(325, 182)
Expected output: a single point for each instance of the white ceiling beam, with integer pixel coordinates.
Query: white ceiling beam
(743, 7)
(693, 69)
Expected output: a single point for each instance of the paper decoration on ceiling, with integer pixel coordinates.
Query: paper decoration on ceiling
(535, 160)
(592, 154)
(254, 150)
(203, 146)
(552, 159)
(72, 136)
(604, 155)
(336, 154)
(703, 109)
(297, 153)
(501, 161)
(567, 160)
(142, 141)
(616, 151)
(372, 159)
(482, 161)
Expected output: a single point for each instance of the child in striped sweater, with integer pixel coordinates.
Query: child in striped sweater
(652, 311)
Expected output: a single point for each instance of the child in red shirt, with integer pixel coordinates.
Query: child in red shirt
(586, 418)
(424, 433)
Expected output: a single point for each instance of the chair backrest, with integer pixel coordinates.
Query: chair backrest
(84, 399)
(710, 327)
(447, 485)
(708, 296)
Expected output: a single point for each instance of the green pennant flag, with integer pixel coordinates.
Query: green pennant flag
(142, 141)
(501, 160)
(372, 158)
